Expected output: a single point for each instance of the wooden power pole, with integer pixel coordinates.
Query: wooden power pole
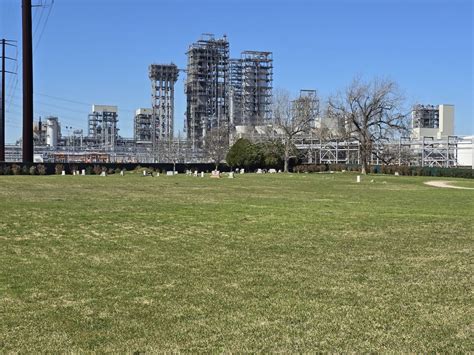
(27, 45)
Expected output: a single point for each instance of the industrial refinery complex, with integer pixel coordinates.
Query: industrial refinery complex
(232, 95)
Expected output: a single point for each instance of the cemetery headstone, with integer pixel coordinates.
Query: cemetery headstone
(216, 174)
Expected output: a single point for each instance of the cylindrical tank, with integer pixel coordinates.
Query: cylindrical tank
(52, 131)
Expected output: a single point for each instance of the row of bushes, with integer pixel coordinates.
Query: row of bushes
(320, 168)
(23, 170)
(97, 169)
(388, 169)
(40, 169)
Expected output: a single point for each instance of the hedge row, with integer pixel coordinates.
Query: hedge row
(96, 168)
(389, 169)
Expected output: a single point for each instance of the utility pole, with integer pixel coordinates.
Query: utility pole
(5, 42)
(27, 45)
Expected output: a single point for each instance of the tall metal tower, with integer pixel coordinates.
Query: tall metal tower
(207, 87)
(251, 88)
(163, 77)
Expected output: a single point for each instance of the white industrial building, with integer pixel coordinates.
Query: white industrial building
(432, 121)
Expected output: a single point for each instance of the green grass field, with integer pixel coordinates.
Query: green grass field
(260, 263)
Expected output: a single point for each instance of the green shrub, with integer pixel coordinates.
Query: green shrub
(41, 169)
(58, 169)
(16, 169)
(97, 169)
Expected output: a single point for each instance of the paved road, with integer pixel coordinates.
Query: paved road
(446, 184)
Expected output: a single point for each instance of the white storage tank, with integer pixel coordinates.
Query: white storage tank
(52, 131)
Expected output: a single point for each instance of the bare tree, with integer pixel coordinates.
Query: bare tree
(216, 144)
(369, 112)
(293, 117)
(171, 151)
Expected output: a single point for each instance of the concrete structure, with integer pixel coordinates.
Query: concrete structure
(465, 153)
(432, 121)
(102, 124)
(206, 87)
(142, 125)
(163, 77)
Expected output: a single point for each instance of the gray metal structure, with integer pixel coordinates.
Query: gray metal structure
(102, 123)
(163, 77)
(206, 87)
(251, 84)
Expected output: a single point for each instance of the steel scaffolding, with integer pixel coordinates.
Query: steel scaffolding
(102, 124)
(163, 77)
(206, 87)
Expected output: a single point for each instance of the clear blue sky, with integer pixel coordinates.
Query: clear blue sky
(98, 51)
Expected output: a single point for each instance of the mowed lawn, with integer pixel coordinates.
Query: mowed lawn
(259, 263)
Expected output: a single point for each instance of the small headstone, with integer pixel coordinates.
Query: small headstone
(279, 171)
(259, 171)
(202, 174)
(195, 173)
(74, 172)
(272, 171)
(216, 174)
(358, 178)
(144, 172)
(242, 171)
(83, 172)
(121, 173)
(396, 173)
(169, 173)
(157, 174)
(63, 172)
(103, 173)
(175, 173)
(231, 175)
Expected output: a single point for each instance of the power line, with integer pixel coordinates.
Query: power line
(45, 23)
